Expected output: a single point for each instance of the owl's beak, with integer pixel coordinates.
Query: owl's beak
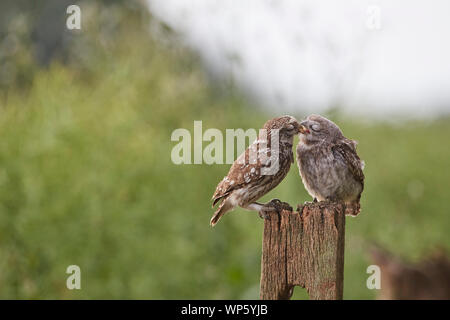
(303, 129)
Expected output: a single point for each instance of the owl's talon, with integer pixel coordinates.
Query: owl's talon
(263, 214)
(275, 202)
(280, 206)
(286, 206)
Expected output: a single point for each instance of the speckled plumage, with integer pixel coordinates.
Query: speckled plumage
(244, 183)
(328, 163)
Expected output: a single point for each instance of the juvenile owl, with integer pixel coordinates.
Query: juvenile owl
(248, 180)
(329, 166)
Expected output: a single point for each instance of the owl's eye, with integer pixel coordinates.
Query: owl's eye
(290, 127)
(315, 127)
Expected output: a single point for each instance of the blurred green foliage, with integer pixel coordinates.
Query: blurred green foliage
(86, 178)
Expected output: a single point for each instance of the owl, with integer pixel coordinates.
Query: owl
(258, 170)
(329, 166)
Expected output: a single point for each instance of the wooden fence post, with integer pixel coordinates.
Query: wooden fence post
(304, 248)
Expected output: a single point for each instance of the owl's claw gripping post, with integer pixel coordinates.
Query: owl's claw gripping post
(271, 206)
(274, 205)
(265, 209)
(263, 214)
(280, 206)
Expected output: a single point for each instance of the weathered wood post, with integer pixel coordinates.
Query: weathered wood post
(304, 248)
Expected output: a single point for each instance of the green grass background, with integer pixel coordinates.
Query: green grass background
(86, 178)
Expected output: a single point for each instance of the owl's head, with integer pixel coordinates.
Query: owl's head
(319, 129)
(288, 126)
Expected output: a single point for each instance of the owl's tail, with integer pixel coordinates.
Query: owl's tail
(224, 207)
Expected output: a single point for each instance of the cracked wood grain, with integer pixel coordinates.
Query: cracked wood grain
(304, 248)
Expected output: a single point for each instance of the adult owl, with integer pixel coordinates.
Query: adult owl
(328, 163)
(248, 180)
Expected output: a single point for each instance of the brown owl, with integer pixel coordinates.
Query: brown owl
(262, 166)
(329, 166)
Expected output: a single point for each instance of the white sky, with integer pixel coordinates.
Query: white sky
(308, 56)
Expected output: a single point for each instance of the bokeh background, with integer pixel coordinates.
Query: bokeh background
(86, 118)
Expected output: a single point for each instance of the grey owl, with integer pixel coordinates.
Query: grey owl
(329, 166)
(245, 182)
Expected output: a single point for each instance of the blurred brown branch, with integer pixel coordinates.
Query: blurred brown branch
(427, 279)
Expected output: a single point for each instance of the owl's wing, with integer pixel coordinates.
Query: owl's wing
(242, 172)
(346, 150)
